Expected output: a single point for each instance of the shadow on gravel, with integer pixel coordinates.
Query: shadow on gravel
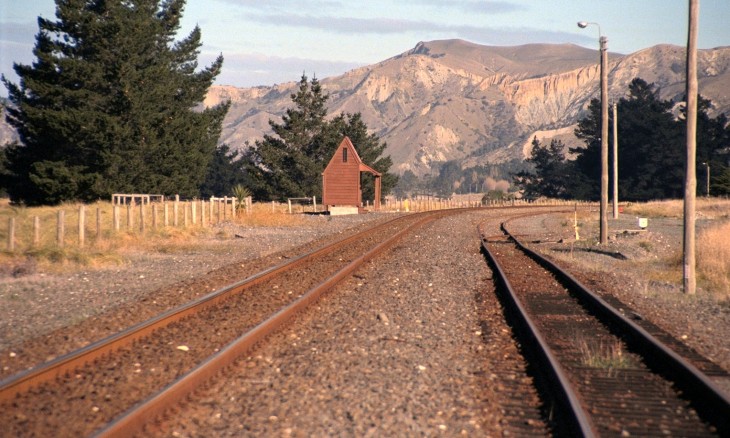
(614, 254)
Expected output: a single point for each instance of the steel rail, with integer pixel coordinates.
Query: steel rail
(579, 422)
(133, 421)
(707, 398)
(47, 371)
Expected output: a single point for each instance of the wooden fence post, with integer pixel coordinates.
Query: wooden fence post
(175, 207)
(11, 234)
(233, 208)
(82, 225)
(165, 214)
(185, 214)
(202, 213)
(141, 217)
(193, 212)
(115, 217)
(154, 215)
(60, 228)
(130, 219)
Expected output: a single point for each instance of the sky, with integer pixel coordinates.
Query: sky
(265, 42)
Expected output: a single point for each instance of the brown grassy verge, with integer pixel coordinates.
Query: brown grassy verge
(111, 246)
(712, 208)
(713, 258)
(712, 244)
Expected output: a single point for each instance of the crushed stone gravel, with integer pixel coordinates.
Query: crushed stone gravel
(41, 307)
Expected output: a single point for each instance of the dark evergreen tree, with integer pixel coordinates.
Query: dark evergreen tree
(290, 162)
(108, 106)
(444, 185)
(550, 178)
(225, 171)
(286, 163)
(407, 185)
(713, 138)
(650, 154)
(721, 183)
(588, 159)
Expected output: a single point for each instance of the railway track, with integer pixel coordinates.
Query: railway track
(164, 361)
(113, 386)
(603, 374)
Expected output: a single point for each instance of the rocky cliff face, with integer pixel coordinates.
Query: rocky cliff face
(453, 100)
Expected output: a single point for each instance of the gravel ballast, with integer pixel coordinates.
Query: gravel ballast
(409, 327)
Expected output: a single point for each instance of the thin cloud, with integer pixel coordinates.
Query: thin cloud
(470, 6)
(473, 6)
(18, 32)
(252, 69)
(349, 25)
(269, 5)
(385, 26)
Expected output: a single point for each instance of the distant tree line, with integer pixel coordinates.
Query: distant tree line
(450, 178)
(651, 152)
(113, 104)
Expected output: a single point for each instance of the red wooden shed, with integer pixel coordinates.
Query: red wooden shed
(341, 178)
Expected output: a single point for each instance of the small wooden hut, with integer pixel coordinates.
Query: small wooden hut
(341, 179)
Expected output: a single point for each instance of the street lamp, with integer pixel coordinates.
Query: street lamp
(602, 40)
(615, 161)
(707, 168)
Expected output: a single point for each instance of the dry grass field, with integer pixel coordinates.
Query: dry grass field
(112, 247)
(713, 241)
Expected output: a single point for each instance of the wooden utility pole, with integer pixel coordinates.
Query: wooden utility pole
(615, 161)
(690, 183)
(604, 140)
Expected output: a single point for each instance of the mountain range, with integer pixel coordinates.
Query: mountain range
(455, 100)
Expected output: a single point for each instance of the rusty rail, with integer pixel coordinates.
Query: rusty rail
(23, 381)
(133, 421)
(578, 420)
(710, 402)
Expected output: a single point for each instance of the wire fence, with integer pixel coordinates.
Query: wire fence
(80, 225)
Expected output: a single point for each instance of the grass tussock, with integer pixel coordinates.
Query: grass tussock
(711, 208)
(713, 258)
(712, 243)
(264, 215)
(609, 356)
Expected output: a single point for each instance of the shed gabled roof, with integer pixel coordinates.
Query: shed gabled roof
(347, 143)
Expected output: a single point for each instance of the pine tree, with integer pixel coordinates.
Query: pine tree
(550, 176)
(286, 164)
(407, 184)
(108, 106)
(713, 136)
(225, 171)
(290, 162)
(650, 154)
(588, 159)
(446, 183)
